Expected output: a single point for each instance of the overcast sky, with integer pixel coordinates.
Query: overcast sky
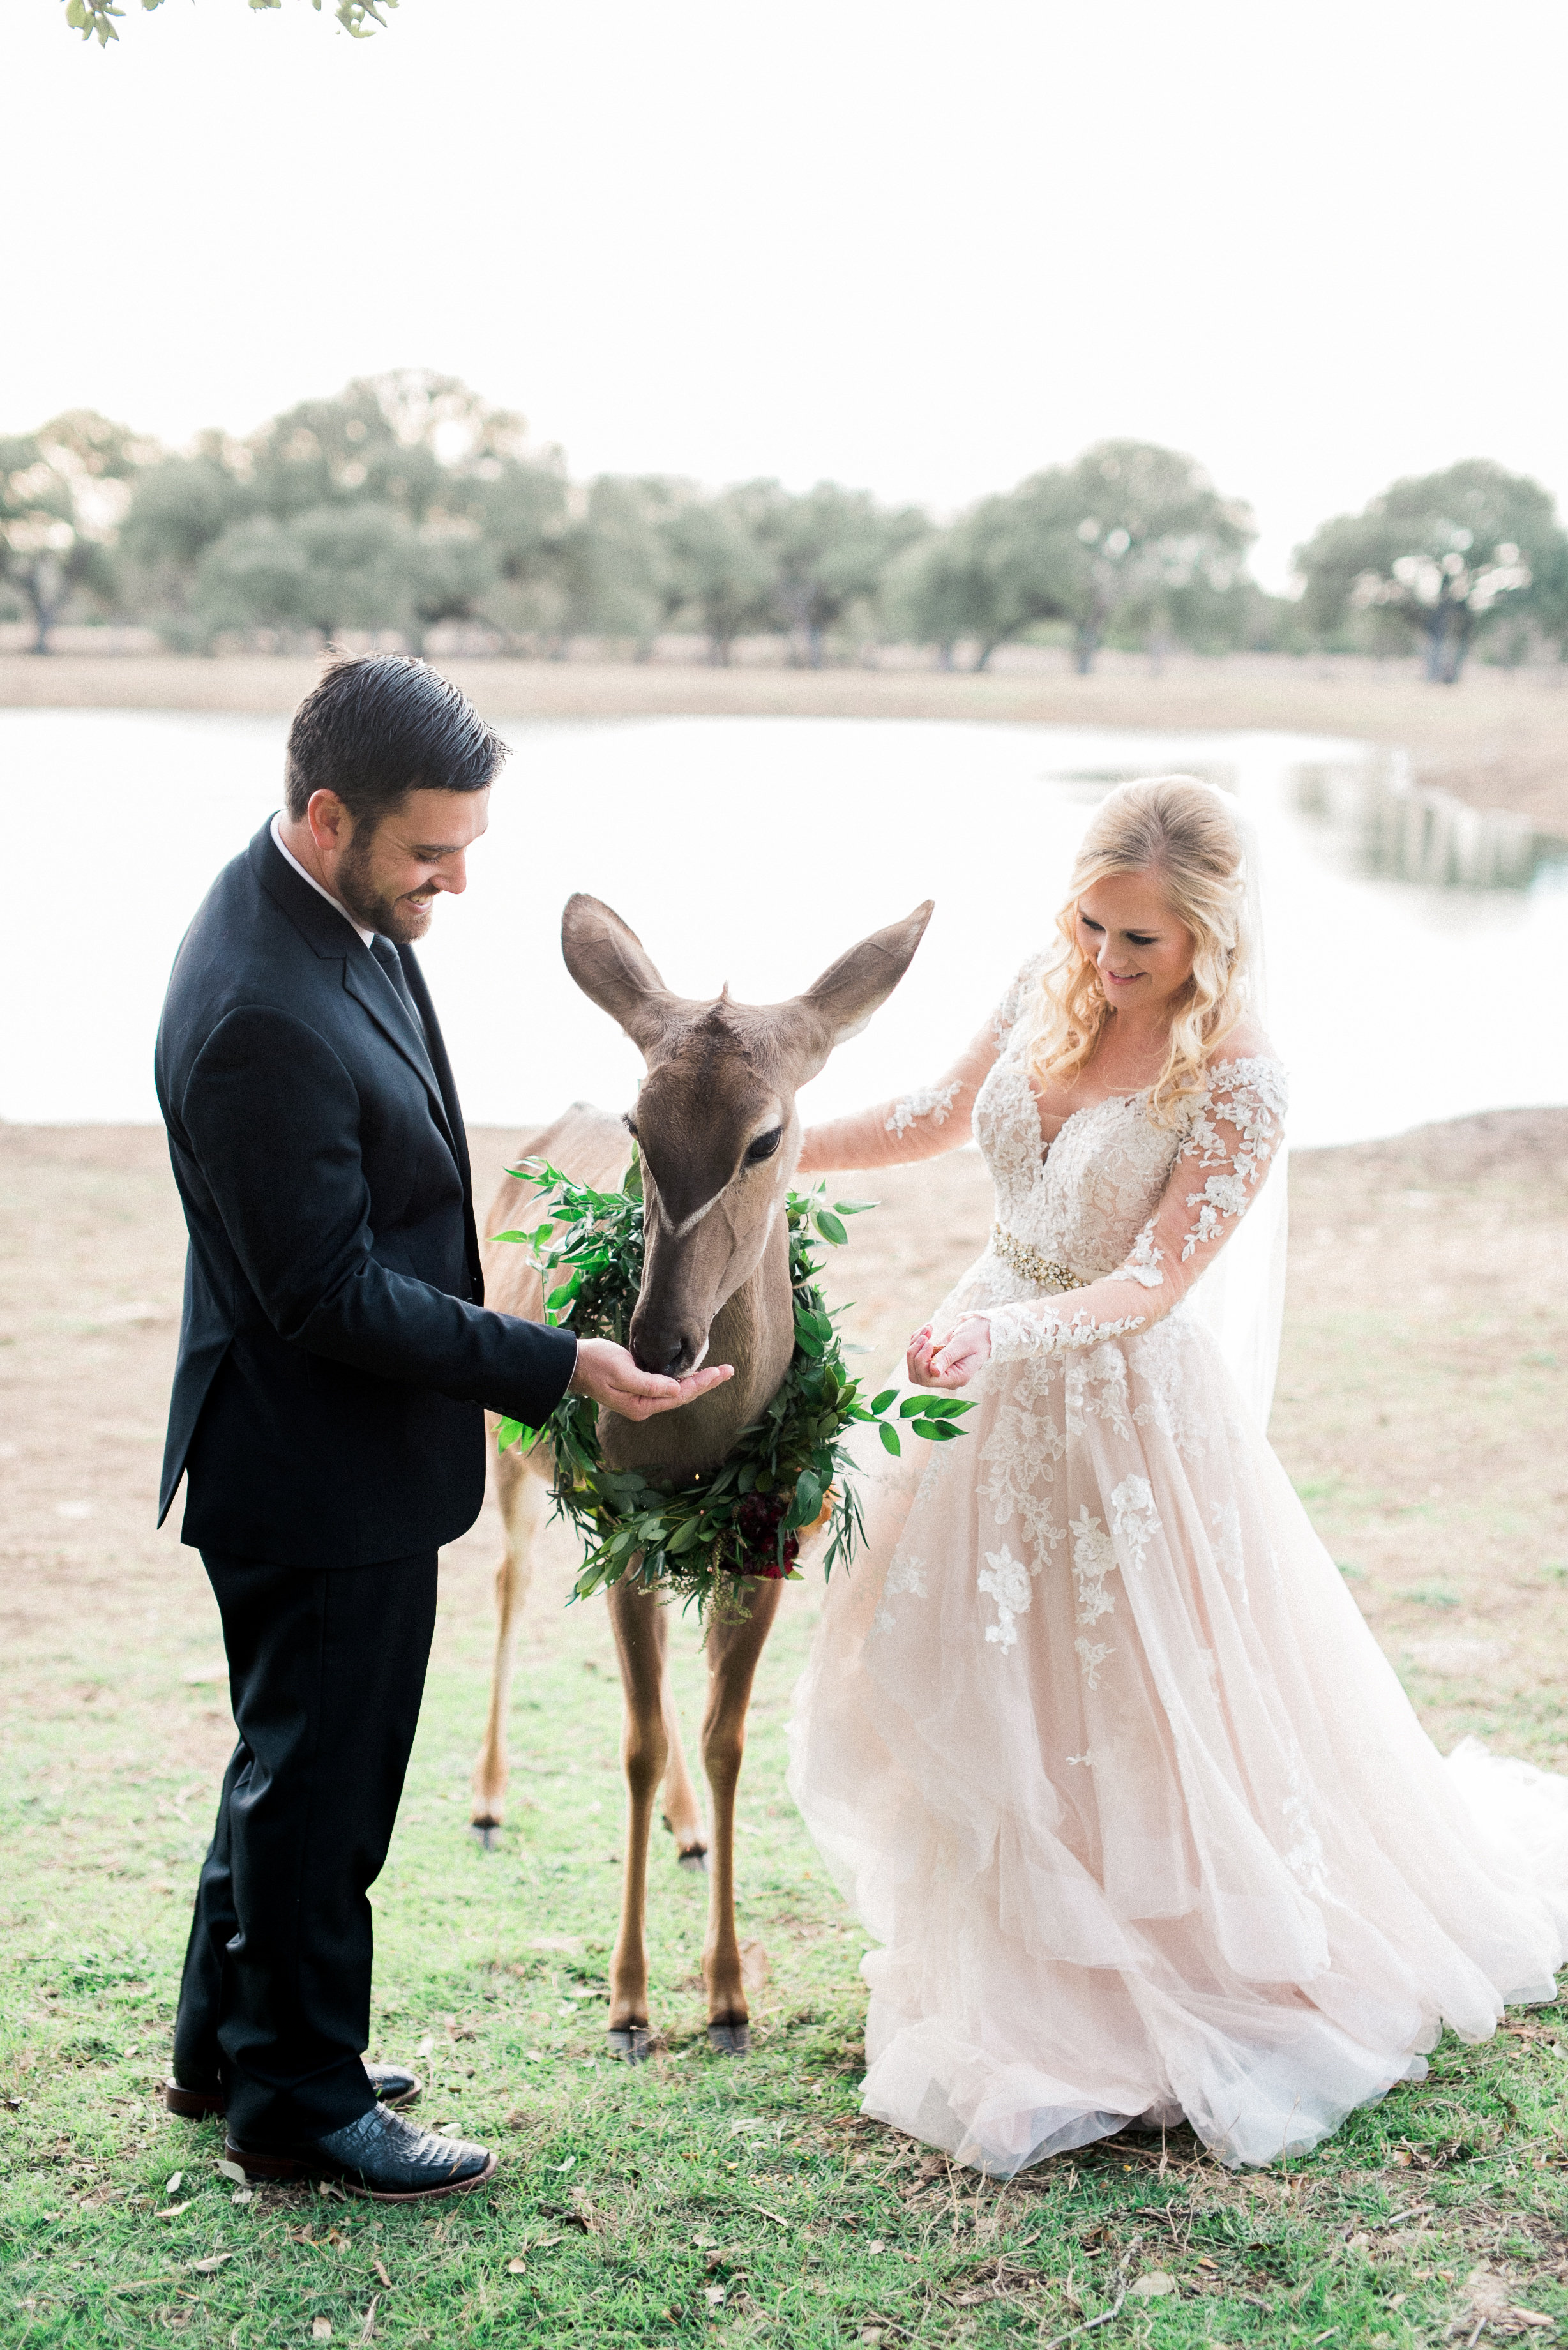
(925, 249)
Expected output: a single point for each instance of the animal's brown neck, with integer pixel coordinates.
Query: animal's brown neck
(755, 1330)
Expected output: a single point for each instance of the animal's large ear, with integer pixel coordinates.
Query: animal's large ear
(613, 968)
(839, 1003)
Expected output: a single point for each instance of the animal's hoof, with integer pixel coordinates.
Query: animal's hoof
(695, 1856)
(487, 1834)
(630, 2044)
(730, 2039)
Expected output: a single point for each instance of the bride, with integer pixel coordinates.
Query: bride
(1092, 1735)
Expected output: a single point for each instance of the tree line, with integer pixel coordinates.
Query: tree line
(408, 501)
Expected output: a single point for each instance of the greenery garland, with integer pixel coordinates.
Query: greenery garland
(783, 1476)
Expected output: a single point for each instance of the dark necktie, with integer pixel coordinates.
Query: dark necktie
(391, 962)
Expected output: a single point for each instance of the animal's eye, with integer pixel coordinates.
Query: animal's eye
(631, 1126)
(764, 1145)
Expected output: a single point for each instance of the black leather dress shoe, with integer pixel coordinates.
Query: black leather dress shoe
(394, 2085)
(381, 2155)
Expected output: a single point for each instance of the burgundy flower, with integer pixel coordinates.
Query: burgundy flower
(757, 1524)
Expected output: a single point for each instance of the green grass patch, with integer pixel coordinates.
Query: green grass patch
(696, 2199)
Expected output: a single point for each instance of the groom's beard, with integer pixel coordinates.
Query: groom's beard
(401, 920)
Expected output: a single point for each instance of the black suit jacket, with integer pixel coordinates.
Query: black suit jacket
(335, 1350)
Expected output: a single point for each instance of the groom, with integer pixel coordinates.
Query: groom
(336, 1357)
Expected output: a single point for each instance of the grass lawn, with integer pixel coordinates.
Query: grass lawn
(700, 2199)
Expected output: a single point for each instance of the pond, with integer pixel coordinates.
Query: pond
(1414, 950)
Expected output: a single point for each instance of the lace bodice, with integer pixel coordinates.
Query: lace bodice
(1129, 1211)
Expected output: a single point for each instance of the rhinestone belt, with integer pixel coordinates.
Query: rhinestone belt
(1019, 1256)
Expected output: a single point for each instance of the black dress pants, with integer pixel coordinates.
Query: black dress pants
(326, 1669)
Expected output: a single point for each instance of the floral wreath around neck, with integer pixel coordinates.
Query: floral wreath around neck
(788, 1474)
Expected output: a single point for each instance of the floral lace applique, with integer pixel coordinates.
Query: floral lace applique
(1005, 1579)
(1017, 1331)
(1004, 1019)
(1304, 1856)
(939, 1466)
(1091, 1657)
(1097, 1388)
(1222, 1196)
(1158, 1362)
(1226, 1520)
(1017, 1461)
(1250, 1096)
(1144, 1260)
(905, 1576)
(1093, 1556)
(926, 1102)
(1137, 1520)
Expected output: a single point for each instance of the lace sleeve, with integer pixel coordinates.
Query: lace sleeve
(1231, 1142)
(930, 1120)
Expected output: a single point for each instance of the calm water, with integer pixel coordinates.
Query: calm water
(1415, 952)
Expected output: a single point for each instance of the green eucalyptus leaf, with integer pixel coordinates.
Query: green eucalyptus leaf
(669, 1535)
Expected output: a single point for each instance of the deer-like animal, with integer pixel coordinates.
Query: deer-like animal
(719, 1136)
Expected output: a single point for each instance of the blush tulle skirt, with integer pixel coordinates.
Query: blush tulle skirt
(1098, 1746)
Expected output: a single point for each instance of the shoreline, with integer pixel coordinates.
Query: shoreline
(1498, 741)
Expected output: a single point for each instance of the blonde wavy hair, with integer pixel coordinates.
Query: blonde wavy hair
(1183, 833)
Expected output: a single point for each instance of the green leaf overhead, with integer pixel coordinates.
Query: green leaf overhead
(98, 19)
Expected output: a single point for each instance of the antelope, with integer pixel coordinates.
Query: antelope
(718, 1135)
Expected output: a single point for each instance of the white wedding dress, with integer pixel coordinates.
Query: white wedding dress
(1093, 1736)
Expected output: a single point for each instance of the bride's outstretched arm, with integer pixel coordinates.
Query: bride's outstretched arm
(930, 1120)
(1217, 1175)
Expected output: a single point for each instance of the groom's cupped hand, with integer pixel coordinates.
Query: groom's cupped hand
(608, 1374)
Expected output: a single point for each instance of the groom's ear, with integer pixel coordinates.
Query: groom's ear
(613, 969)
(837, 1005)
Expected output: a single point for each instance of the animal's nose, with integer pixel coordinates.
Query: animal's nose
(658, 1351)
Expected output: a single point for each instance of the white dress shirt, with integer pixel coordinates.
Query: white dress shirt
(335, 903)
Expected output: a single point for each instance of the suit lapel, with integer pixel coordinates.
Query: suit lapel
(368, 985)
(335, 940)
(442, 1066)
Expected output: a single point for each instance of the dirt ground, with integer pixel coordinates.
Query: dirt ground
(1420, 1407)
(1499, 739)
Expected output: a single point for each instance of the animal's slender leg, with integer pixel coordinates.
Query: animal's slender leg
(521, 1492)
(734, 1651)
(682, 1811)
(639, 1626)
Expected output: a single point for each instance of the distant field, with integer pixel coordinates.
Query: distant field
(1499, 739)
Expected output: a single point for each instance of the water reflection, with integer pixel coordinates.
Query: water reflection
(1379, 822)
(1387, 826)
(755, 850)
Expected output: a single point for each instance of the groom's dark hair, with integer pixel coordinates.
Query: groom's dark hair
(380, 725)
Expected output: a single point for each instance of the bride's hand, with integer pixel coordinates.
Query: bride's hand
(954, 1362)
